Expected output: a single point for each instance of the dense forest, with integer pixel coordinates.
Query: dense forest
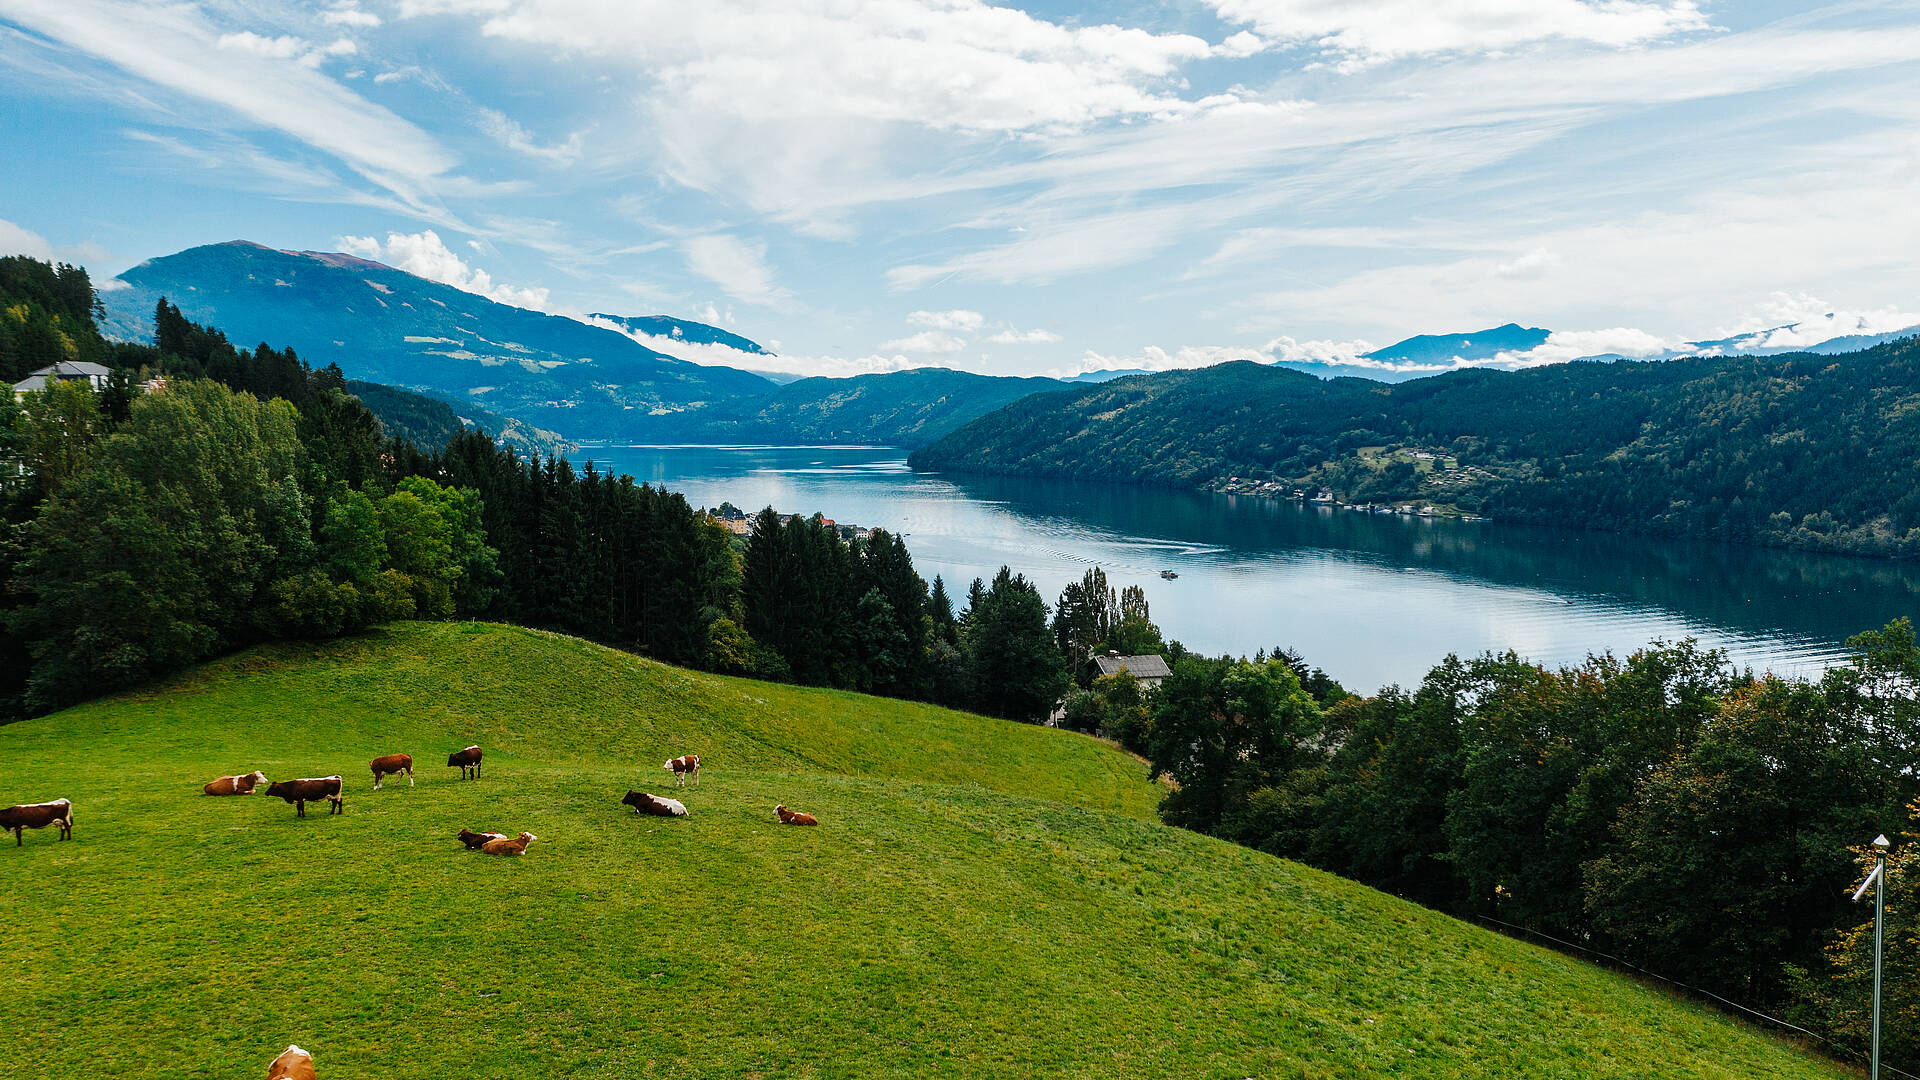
(1802, 451)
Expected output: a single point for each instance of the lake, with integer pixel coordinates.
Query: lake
(1372, 599)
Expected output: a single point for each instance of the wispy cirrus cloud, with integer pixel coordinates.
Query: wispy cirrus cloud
(738, 266)
(1360, 32)
(260, 79)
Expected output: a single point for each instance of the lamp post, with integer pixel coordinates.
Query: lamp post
(1877, 879)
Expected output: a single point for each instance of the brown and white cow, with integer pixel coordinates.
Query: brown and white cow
(392, 765)
(292, 1064)
(466, 759)
(504, 846)
(477, 840)
(788, 817)
(17, 819)
(302, 792)
(684, 768)
(236, 785)
(644, 803)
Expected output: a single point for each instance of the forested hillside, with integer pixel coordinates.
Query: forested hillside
(1797, 450)
(900, 408)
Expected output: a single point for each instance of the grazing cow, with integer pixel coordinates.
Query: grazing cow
(302, 792)
(788, 817)
(684, 768)
(504, 846)
(292, 1064)
(466, 759)
(16, 819)
(236, 785)
(392, 765)
(644, 803)
(476, 840)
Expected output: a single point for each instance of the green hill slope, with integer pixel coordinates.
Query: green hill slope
(982, 899)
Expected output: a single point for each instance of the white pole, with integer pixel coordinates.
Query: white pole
(1879, 936)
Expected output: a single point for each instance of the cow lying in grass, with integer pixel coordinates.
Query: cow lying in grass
(292, 1064)
(476, 840)
(788, 817)
(644, 803)
(468, 759)
(392, 765)
(17, 819)
(236, 785)
(302, 792)
(684, 768)
(504, 846)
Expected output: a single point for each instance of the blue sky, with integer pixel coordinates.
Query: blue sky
(892, 183)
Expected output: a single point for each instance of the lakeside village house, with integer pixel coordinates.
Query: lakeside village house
(741, 524)
(68, 370)
(1149, 669)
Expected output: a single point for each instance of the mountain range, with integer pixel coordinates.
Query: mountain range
(387, 326)
(611, 377)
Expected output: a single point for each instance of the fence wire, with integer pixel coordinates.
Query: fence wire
(1838, 1049)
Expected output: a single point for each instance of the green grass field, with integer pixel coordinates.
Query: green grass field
(982, 899)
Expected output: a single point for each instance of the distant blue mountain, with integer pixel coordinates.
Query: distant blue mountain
(1442, 349)
(1435, 352)
(665, 326)
(384, 325)
(1107, 375)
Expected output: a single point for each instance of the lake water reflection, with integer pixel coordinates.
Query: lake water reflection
(1373, 599)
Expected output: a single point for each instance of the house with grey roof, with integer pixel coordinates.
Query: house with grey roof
(1148, 669)
(63, 371)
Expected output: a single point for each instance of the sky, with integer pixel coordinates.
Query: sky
(869, 185)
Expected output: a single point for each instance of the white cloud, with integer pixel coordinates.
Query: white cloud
(15, 240)
(1532, 264)
(1560, 347)
(1564, 345)
(1359, 32)
(712, 355)
(424, 255)
(738, 267)
(927, 341)
(350, 16)
(1796, 320)
(510, 134)
(959, 319)
(1024, 337)
(280, 48)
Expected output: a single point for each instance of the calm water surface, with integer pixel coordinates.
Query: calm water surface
(1371, 599)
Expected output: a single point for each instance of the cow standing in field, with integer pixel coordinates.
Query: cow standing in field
(292, 1064)
(504, 846)
(644, 803)
(392, 765)
(477, 840)
(466, 759)
(788, 817)
(17, 819)
(302, 792)
(684, 768)
(236, 785)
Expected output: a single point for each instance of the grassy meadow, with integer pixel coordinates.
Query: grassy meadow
(981, 899)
